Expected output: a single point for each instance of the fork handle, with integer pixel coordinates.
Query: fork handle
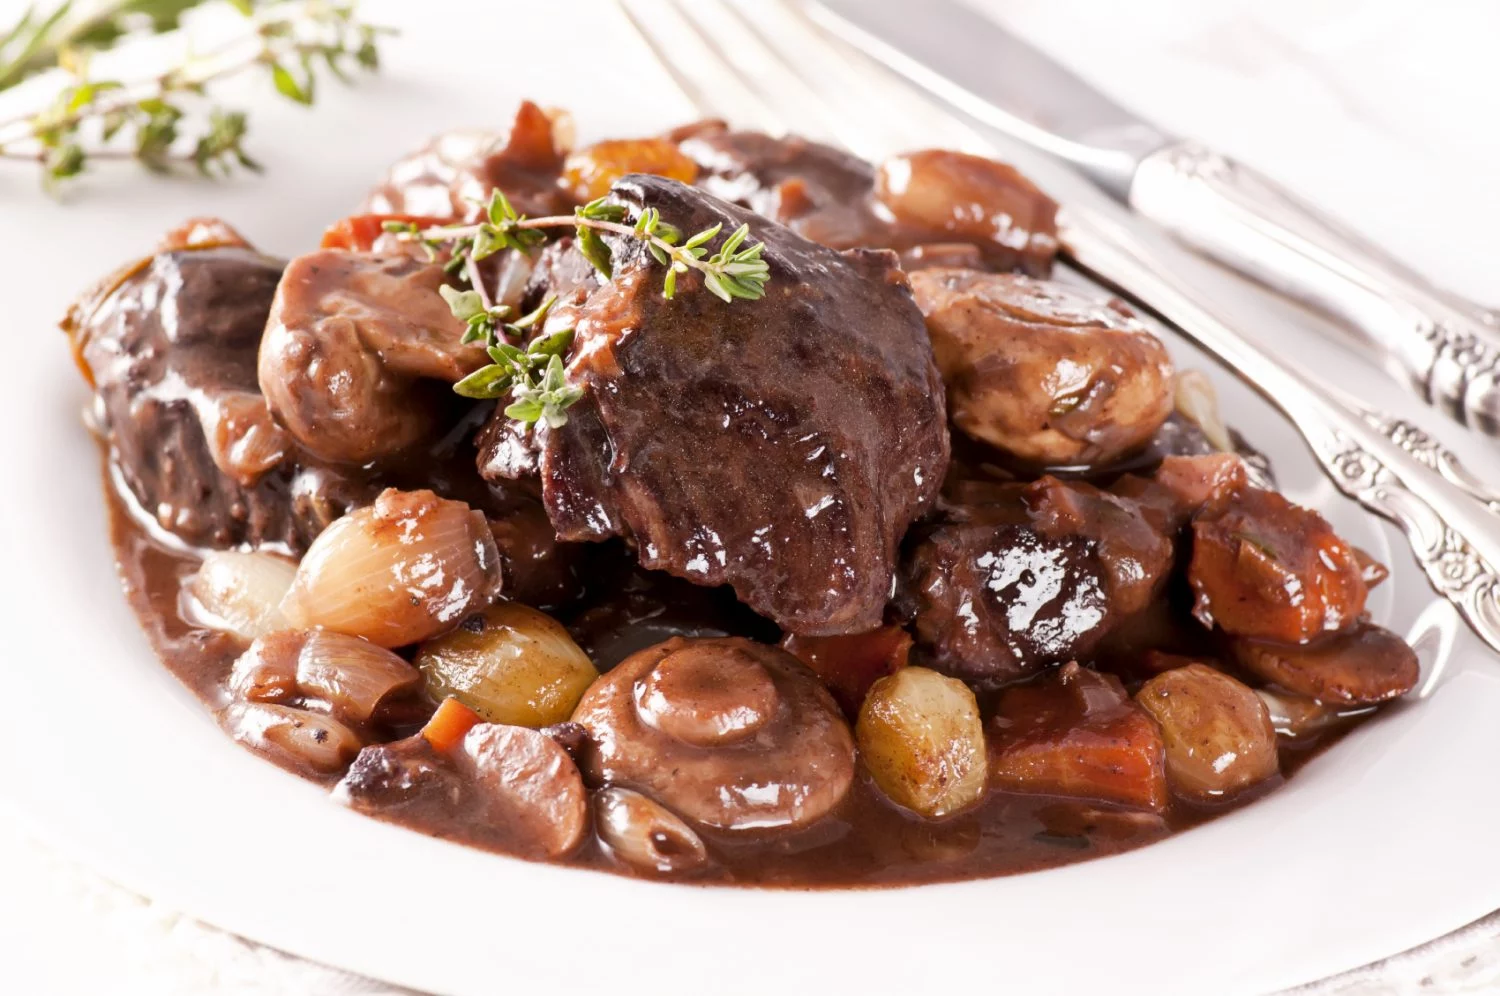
(1453, 537)
(1448, 349)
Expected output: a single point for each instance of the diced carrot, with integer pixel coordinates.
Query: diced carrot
(358, 232)
(1076, 733)
(446, 729)
(849, 665)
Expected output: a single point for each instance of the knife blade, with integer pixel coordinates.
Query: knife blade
(1436, 341)
(999, 79)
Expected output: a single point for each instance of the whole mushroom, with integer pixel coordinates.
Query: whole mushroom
(732, 734)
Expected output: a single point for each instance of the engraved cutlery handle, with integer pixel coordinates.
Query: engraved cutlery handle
(1449, 349)
(1389, 466)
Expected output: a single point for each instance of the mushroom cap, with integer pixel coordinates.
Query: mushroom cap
(729, 733)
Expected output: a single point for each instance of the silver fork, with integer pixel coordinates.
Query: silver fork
(811, 85)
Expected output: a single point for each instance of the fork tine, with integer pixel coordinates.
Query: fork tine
(703, 76)
(874, 112)
(725, 33)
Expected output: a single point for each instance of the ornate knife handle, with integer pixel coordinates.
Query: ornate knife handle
(1390, 467)
(1448, 348)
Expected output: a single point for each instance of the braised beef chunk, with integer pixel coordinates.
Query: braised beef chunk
(927, 204)
(819, 192)
(1032, 575)
(998, 600)
(1044, 372)
(781, 447)
(171, 349)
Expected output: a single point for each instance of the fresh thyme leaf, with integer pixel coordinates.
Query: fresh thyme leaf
(486, 382)
(287, 85)
(535, 317)
(595, 251)
(554, 345)
(465, 305)
(528, 410)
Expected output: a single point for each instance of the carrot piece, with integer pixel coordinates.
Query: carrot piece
(358, 232)
(448, 725)
(849, 665)
(1076, 733)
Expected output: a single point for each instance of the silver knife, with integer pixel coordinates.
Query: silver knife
(1446, 347)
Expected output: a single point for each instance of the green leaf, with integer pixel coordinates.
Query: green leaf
(527, 410)
(553, 344)
(527, 321)
(287, 85)
(486, 382)
(601, 210)
(34, 55)
(555, 378)
(464, 304)
(64, 161)
(507, 355)
(488, 241)
(367, 55)
(716, 285)
(669, 285)
(595, 251)
(500, 210)
(245, 7)
(703, 236)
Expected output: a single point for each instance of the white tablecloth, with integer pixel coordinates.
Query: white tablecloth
(1381, 111)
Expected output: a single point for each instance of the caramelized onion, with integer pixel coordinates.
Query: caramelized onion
(645, 834)
(306, 739)
(240, 593)
(267, 671)
(921, 739)
(511, 664)
(352, 675)
(1196, 400)
(404, 569)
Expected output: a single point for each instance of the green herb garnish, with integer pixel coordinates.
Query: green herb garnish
(533, 373)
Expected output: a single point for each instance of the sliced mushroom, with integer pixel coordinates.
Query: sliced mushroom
(1363, 666)
(731, 734)
(350, 343)
(645, 834)
(529, 788)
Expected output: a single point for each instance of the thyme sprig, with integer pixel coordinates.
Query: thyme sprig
(532, 373)
(735, 271)
(151, 121)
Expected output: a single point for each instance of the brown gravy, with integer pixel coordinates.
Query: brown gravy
(866, 842)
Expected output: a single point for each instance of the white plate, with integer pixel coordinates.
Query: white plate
(1372, 848)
